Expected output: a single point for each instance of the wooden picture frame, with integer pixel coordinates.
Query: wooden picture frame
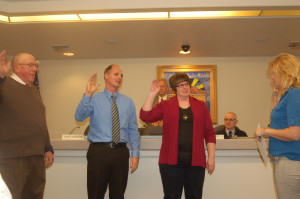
(203, 80)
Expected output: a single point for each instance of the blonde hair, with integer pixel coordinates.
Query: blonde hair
(287, 69)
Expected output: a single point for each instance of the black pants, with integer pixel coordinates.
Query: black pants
(25, 177)
(183, 175)
(107, 167)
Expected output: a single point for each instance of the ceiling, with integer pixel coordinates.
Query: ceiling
(233, 37)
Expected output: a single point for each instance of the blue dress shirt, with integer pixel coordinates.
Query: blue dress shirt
(286, 114)
(98, 108)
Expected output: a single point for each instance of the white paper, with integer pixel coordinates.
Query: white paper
(262, 148)
(4, 191)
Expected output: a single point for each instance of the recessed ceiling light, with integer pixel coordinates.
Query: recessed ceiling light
(68, 54)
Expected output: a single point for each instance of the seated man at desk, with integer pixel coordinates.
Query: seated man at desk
(229, 129)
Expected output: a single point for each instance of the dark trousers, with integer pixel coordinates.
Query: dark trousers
(25, 177)
(107, 167)
(183, 175)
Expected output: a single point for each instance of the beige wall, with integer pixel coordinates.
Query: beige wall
(242, 87)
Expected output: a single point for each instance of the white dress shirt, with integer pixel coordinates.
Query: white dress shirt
(165, 97)
(233, 132)
(17, 78)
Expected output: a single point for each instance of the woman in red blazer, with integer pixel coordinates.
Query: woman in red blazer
(186, 125)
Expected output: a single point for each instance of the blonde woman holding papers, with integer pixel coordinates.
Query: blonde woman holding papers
(284, 131)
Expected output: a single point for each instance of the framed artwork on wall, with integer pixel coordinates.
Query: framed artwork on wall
(203, 79)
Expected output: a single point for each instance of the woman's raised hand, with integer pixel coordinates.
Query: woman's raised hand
(155, 86)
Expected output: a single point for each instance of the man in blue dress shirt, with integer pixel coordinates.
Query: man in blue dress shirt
(108, 161)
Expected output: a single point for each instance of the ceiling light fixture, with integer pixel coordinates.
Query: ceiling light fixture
(164, 15)
(185, 49)
(207, 14)
(124, 16)
(44, 18)
(280, 13)
(4, 18)
(68, 54)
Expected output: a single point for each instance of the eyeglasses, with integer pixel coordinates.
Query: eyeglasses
(229, 119)
(29, 65)
(183, 85)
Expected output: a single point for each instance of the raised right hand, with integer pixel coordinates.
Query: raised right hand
(4, 67)
(92, 86)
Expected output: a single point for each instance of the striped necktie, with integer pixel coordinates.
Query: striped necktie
(115, 120)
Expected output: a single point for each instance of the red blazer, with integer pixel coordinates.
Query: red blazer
(168, 111)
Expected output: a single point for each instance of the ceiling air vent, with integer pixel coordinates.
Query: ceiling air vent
(60, 48)
(294, 45)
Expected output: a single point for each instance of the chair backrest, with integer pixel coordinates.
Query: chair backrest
(219, 127)
(149, 129)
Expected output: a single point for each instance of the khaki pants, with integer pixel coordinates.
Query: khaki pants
(287, 177)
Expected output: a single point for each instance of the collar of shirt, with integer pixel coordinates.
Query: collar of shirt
(109, 94)
(17, 78)
(165, 97)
